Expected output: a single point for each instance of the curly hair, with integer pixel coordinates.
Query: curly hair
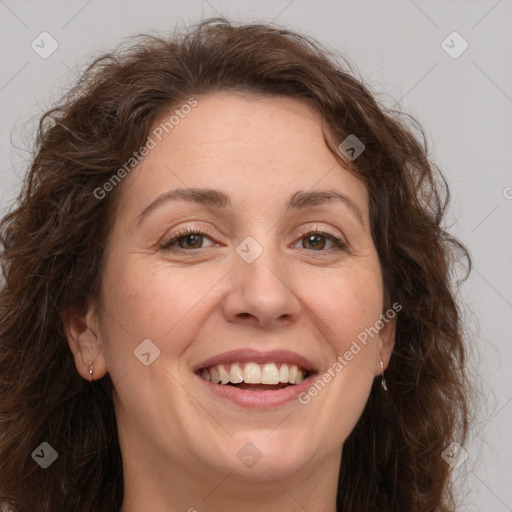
(53, 242)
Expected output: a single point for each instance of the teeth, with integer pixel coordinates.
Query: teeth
(214, 374)
(236, 374)
(270, 374)
(293, 374)
(284, 373)
(224, 375)
(253, 373)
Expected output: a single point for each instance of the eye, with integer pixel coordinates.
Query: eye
(192, 238)
(188, 238)
(317, 241)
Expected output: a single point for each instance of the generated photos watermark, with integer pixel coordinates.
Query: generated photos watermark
(151, 143)
(344, 359)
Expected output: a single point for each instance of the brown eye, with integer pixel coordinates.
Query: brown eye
(314, 241)
(188, 239)
(317, 241)
(193, 241)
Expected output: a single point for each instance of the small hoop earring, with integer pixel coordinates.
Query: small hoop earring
(90, 372)
(384, 385)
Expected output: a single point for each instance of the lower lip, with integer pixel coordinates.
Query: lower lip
(258, 399)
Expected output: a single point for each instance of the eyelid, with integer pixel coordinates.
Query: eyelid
(168, 240)
(304, 230)
(338, 240)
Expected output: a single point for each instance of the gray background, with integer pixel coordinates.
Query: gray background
(464, 104)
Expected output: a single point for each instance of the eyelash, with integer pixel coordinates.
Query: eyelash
(339, 245)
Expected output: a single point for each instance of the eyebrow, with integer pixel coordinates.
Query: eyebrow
(218, 199)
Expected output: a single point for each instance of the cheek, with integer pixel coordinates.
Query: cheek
(349, 304)
(348, 309)
(150, 298)
(146, 299)
(134, 309)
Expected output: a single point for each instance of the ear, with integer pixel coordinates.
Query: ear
(386, 342)
(82, 333)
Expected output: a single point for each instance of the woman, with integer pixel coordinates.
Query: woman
(227, 288)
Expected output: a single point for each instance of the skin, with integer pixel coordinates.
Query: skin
(179, 442)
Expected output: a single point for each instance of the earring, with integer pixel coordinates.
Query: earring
(90, 372)
(384, 385)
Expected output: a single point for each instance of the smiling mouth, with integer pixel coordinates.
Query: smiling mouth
(252, 376)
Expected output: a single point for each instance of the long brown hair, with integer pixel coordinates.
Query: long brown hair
(53, 242)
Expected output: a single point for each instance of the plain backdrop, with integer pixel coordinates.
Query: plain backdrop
(463, 103)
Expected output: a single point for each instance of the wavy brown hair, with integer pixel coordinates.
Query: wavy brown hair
(53, 242)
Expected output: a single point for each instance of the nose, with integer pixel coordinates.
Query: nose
(261, 293)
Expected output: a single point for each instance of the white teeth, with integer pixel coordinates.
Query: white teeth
(270, 374)
(214, 374)
(293, 374)
(284, 373)
(236, 374)
(253, 373)
(224, 375)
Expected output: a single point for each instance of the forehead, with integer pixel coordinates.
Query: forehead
(251, 146)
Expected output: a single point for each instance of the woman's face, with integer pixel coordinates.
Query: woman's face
(274, 278)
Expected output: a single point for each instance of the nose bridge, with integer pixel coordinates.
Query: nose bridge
(262, 268)
(260, 278)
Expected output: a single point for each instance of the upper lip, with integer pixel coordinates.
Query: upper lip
(256, 356)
